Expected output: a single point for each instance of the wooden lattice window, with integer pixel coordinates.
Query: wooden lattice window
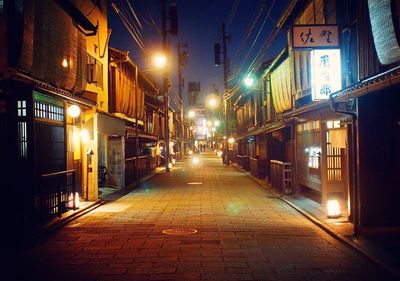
(334, 155)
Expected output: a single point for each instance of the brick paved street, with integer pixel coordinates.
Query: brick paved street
(244, 233)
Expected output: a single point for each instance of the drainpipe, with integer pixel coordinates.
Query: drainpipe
(354, 148)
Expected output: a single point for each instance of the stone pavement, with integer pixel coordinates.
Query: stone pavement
(243, 232)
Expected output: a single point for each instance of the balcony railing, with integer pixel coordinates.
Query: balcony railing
(281, 176)
(57, 194)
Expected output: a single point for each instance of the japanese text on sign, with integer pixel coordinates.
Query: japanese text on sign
(325, 73)
(315, 36)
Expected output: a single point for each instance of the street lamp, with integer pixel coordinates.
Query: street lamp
(191, 114)
(212, 102)
(248, 81)
(160, 61)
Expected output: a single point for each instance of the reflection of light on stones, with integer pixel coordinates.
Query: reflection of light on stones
(233, 209)
(179, 231)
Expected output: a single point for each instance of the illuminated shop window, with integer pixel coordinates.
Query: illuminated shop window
(333, 124)
(49, 111)
(314, 155)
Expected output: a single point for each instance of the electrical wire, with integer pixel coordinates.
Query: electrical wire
(271, 37)
(128, 27)
(134, 14)
(231, 78)
(232, 13)
(250, 28)
(130, 19)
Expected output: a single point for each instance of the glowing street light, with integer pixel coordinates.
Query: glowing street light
(160, 61)
(249, 81)
(212, 102)
(191, 114)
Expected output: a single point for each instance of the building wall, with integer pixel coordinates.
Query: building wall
(379, 158)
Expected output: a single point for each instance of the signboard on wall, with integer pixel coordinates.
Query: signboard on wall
(315, 36)
(326, 71)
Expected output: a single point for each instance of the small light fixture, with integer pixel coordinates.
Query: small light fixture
(231, 140)
(170, 165)
(173, 161)
(71, 200)
(216, 123)
(333, 208)
(64, 63)
(191, 114)
(73, 111)
(190, 152)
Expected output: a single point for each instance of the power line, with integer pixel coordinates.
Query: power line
(135, 36)
(255, 39)
(232, 14)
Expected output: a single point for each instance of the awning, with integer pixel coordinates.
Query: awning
(109, 125)
(282, 83)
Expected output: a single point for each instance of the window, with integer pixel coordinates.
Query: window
(22, 140)
(21, 108)
(49, 111)
(314, 154)
(1, 7)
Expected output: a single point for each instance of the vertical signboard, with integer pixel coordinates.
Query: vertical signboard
(325, 73)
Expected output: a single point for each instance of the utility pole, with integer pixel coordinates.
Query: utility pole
(136, 127)
(182, 61)
(225, 38)
(165, 82)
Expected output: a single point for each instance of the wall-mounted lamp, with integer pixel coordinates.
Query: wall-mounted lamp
(73, 111)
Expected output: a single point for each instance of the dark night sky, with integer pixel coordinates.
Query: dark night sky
(200, 26)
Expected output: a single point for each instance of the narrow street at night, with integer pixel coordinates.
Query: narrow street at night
(222, 226)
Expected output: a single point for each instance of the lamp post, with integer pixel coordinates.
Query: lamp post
(212, 102)
(165, 83)
(182, 61)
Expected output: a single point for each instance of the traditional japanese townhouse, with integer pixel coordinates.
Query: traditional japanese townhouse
(131, 153)
(53, 77)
